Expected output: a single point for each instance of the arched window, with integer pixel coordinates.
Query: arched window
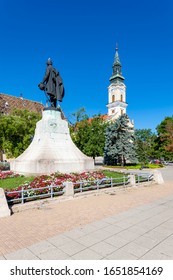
(113, 98)
(122, 112)
(121, 98)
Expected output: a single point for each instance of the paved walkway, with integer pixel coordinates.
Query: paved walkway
(134, 223)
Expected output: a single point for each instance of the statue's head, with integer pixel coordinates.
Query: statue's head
(49, 61)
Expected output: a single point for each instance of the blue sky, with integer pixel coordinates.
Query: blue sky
(80, 37)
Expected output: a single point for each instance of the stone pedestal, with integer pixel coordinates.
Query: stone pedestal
(132, 180)
(4, 209)
(52, 149)
(69, 189)
(158, 177)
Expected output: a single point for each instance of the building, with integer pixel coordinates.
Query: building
(8, 103)
(117, 91)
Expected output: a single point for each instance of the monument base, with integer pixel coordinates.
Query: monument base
(52, 149)
(4, 209)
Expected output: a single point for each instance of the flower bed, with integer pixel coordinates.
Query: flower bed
(45, 181)
(7, 174)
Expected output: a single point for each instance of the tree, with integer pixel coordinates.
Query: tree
(119, 144)
(169, 135)
(165, 138)
(89, 136)
(145, 144)
(80, 115)
(17, 130)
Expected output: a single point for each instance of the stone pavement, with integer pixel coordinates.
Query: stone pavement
(142, 230)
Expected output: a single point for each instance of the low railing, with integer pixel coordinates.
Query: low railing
(143, 177)
(100, 184)
(25, 195)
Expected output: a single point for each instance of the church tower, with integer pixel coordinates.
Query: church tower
(116, 91)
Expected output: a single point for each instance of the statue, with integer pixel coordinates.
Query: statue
(52, 84)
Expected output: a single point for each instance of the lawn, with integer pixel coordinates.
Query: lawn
(137, 166)
(112, 174)
(12, 183)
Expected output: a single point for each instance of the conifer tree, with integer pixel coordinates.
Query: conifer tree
(119, 144)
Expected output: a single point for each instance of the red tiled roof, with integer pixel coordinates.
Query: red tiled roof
(8, 103)
(104, 117)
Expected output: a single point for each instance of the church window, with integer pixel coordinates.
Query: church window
(122, 112)
(113, 98)
(121, 98)
(113, 111)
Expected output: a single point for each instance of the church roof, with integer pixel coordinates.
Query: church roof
(8, 103)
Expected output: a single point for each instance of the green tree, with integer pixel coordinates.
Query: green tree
(165, 138)
(80, 115)
(89, 136)
(17, 130)
(119, 144)
(145, 145)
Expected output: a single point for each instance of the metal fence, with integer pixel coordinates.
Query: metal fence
(100, 184)
(25, 195)
(143, 177)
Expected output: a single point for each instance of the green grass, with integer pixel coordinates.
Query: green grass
(137, 166)
(12, 183)
(152, 165)
(112, 174)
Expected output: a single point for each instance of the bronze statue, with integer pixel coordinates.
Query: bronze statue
(52, 84)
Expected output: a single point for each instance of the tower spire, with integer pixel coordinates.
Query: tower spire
(116, 58)
(116, 74)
